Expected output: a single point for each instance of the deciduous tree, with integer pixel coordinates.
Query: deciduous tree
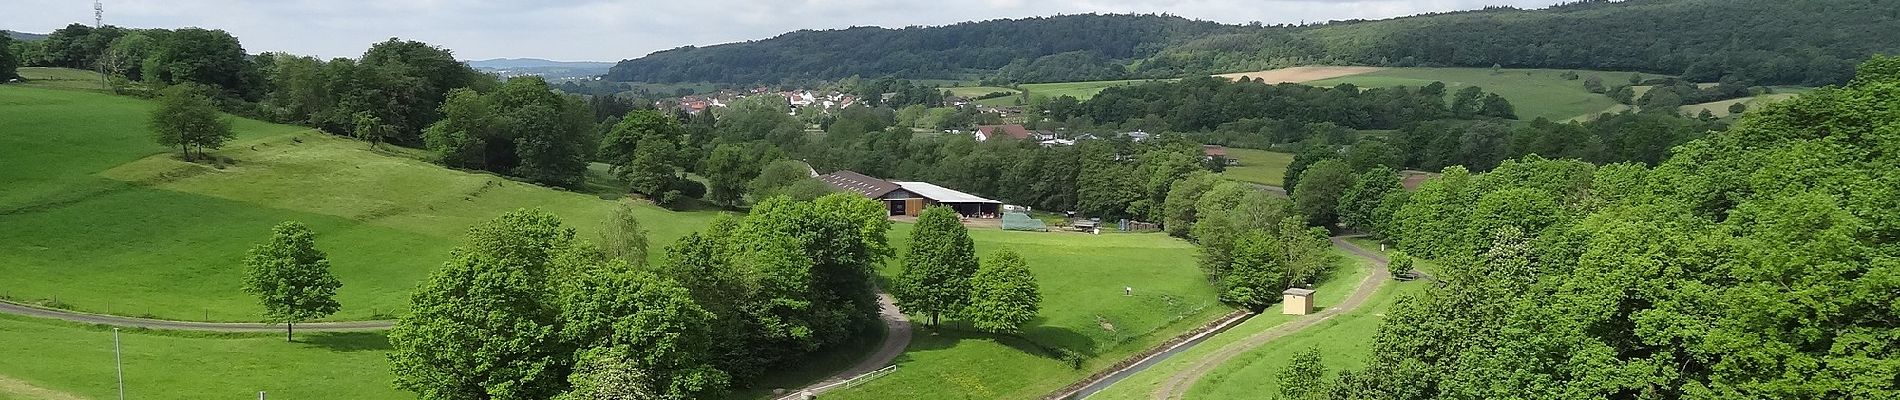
(1003, 294)
(938, 267)
(487, 325)
(291, 278)
(185, 119)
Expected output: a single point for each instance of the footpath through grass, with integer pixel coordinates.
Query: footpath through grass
(1334, 290)
(1535, 92)
(97, 218)
(1258, 166)
(77, 359)
(1082, 277)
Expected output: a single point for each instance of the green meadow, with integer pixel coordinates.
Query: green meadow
(1143, 384)
(1258, 166)
(1080, 90)
(1535, 92)
(97, 218)
(1082, 278)
(76, 360)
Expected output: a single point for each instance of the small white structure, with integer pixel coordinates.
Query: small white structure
(1296, 301)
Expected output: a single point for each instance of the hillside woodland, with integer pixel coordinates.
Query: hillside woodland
(1757, 262)
(1757, 42)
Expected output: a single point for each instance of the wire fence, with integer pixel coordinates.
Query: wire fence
(848, 383)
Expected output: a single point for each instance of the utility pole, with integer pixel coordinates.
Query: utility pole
(99, 21)
(118, 362)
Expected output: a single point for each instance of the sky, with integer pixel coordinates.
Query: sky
(608, 30)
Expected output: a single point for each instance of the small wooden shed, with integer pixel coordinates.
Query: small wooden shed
(1296, 301)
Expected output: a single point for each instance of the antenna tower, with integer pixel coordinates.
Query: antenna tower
(98, 14)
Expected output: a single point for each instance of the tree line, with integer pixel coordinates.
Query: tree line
(1752, 262)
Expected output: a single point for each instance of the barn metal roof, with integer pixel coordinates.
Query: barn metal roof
(942, 194)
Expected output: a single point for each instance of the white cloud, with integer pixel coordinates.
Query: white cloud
(613, 30)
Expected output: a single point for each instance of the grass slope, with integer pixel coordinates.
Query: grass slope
(77, 360)
(1142, 385)
(1080, 90)
(1081, 277)
(100, 219)
(1258, 166)
(61, 78)
(1720, 108)
(1535, 92)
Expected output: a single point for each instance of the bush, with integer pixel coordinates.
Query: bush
(690, 188)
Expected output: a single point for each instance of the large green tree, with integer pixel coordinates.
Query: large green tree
(186, 119)
(1317, 195)
(938, 267)
(1003, 294)
(291, 278)
(487, 325)
(9, 62)
(727, 171)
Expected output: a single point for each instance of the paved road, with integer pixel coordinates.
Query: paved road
(897, 333)
(8, 307)
(1176, 386)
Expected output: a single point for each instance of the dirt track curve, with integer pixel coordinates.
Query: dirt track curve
(897, 333)
(1176, 387)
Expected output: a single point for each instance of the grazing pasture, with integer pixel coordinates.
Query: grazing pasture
(1080, 90)
(1082, 278)
(1258, 166)
(65, 359)
(97, 218)
(1332, 291)
(1535, 92)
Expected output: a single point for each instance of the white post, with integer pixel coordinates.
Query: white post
(118, 363)
(260, 395)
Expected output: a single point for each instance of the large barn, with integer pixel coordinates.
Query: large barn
(910, 198)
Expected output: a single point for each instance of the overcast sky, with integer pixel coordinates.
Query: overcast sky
(606, 30)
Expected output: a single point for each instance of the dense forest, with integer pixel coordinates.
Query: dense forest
(1756, 262)
(922, 52)
(1752, 42)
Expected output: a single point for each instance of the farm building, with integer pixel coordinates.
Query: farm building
(910, 198)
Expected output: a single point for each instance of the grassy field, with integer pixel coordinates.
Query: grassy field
(1081, 277)
(1720, 108)
(1258, 166)
(1080, 90)
(1344, 343)
(97, 218)
(61, 78)
(1142, 385)
(77, 360)
(1535, 92)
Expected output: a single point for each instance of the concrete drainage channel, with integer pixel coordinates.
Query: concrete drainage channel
(1101, 382)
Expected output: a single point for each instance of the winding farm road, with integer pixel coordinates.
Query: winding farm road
(1176, 386)
(897, 333)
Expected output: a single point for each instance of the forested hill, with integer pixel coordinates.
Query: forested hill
(1084, 41)
(23, 35)
(1810, 42)
(1768, 42)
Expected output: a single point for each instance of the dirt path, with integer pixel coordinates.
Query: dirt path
(8, 307)
(897, 333)
(16, 387)
(1176, 387)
